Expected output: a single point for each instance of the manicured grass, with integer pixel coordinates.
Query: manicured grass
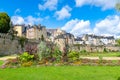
(107, 54)
(62, 73)
(1, 62)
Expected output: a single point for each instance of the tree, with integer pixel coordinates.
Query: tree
(4, 22)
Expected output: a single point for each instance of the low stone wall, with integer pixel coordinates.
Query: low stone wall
(113, 48)
(95, 48)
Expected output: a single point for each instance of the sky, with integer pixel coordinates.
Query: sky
(75, 16)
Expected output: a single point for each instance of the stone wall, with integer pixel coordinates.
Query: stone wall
(8, 45)
(11, 46)
(95, 48)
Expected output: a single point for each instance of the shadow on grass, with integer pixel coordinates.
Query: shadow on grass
(118, 78)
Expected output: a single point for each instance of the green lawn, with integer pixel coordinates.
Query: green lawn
(62, 73)
(107, 54)
(1, 62)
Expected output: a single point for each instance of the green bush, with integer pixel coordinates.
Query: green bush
(25, 57)
(83, 51)
(105, 50)
(43, 50)
(57, 54)
(27, 64)
(73, 55)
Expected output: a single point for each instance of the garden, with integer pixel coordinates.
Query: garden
(47, 62)
(48, 54)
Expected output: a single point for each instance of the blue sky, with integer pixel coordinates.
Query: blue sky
(75, 16)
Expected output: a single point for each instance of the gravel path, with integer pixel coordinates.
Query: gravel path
(94, 58)
(7, 57)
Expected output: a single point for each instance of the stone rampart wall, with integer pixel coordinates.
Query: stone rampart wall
(8, 45)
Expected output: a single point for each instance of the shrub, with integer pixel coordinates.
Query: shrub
(57, 54)
(49, 52)
(25, 57)
(83, 51)
(30, 48)
(105, 50)
(27, 64)
(73, 56)
(43, 50)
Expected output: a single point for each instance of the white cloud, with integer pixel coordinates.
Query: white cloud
(32, 20)
(81, 27)
(105, 4)
(17, 20)
(49, 4)
(77, 27)
(63, 13)
(110, 26)
(27, 20)
(70, 24)
(17, 11)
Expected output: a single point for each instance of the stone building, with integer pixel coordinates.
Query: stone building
(78, 40)
(20, 29)
(61, 37)
(64, 39)
(53, 33)
(91, 39)
(36, 32)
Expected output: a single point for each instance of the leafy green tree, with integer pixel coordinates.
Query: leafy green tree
(4, 22)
